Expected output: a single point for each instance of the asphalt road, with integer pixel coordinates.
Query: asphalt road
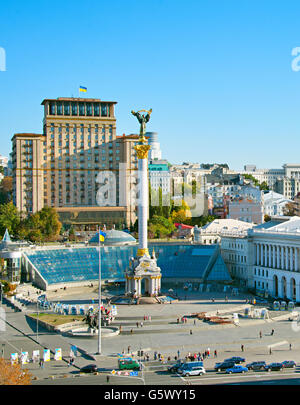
(156, 378)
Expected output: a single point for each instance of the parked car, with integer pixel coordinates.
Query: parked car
(193, 370)
(223, 366)
(236, 359)
(174, 368)
(274, 367)
(289, 364)
(188, 366)
(236, 369)
(127, 363)
(90, 368)
(256, 365)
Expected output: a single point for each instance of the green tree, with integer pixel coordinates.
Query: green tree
(10, 218)
(160, 227)
(43, 225)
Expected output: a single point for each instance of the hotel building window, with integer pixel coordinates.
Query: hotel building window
(81, 109)
(74, 110)
(104, 110)
(52, 108)
(96, 110)
(66, 108)
(89, 110)
(59, 108)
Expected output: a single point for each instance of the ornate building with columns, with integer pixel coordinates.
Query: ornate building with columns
(266, 257)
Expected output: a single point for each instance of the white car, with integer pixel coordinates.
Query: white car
(196, 370)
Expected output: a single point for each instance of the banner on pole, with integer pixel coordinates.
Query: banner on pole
(14, 358)
(46, 355)
(36, 356)
(24, 358)
(57, 354)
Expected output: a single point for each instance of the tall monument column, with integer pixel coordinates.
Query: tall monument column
(143, 267)
(143, 204)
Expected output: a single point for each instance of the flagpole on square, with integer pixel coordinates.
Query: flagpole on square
(99, 295)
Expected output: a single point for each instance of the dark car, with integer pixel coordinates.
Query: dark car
(90, 368)
(224, 366)
(256, 365)
(236, 359)
(274, 367)
(174, 368)
(289, 364)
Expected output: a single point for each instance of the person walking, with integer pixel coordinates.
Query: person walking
(178, 354)
(272, 332)
(242, 348)
(107, 379)
(290, 346)
(128, 349)
(216, 354)
(270, 351)
(260, 334)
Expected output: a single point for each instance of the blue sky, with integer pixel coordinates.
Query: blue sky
(217, 74)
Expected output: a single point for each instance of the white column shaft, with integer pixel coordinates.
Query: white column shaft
(143, 202)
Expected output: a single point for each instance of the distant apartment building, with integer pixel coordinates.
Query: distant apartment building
(246, 209)
(155, 151)
(159, 176)
(272, 176)
(275, 204)
(65, 166)
(288, 186)
(4, 162)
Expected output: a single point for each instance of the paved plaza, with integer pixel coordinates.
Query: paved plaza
(162, 334)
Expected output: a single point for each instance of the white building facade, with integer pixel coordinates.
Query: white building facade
(267, 258)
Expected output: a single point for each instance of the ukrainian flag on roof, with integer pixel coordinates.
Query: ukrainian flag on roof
(84, 89)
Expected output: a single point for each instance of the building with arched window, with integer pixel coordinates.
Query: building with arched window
(271, 260)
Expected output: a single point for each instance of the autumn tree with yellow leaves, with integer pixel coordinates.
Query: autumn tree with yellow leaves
(12, 374)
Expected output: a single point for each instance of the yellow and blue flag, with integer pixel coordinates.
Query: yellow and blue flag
(102, 236)
(84, 89)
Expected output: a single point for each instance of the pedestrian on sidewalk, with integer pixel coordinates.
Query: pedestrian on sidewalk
(242, 348)
(178, 354)
(131, 331)
(191, 332)
(137, 324)
(41, 363)
(272, 332)
(270, 351)
(216, 354)
(107, 379)
(128, 349)
(260, 334)
(290, 346)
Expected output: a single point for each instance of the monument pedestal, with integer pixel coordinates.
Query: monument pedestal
(143, 269)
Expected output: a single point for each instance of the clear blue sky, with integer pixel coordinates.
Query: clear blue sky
(217, 74)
